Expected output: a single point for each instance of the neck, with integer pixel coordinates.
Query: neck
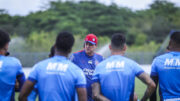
(1, 52)
(175, 49)
(117, 53)
(61, 54)
(90, 53)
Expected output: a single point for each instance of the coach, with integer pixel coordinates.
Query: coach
(87, 60)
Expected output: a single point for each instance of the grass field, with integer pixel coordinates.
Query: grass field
(139, 89)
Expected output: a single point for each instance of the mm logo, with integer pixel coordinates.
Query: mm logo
(117, 64)
(172, 62)
(57, 67)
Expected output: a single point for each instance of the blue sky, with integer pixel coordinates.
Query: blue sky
(24, 7)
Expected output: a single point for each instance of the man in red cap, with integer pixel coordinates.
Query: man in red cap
(87, 60)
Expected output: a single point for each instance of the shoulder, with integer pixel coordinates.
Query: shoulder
(13, 60)
(129, 61)
(99, 56)
(103, 63)
(163, 56)
(75, 55)
(78, 52)
(73, 66)
(42, 63)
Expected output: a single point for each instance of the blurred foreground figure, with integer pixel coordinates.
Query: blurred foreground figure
(114, 77)
(166, 71)
(10, 71)
(57, 78)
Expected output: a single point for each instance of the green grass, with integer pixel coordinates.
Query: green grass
(139, 89)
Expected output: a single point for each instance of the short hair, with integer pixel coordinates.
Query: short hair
(64, 42)
(175, 37)
(118, 41)
(4, 38)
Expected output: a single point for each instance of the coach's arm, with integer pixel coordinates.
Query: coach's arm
(96, 93)
(145, 78)
(26, 90)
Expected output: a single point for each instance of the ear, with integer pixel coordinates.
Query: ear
(170, 44)
(110, 47)
(69, 51)
(125, 47)
(95, 46)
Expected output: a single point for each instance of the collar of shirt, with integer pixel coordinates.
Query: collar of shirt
(175, 52)
(60, 57)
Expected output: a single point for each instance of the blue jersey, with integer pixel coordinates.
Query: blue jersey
(57, 79)
(87, 64)
(167, 68)
(10, 70)
(116, 76)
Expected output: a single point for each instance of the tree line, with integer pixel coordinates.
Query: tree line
(81, 18)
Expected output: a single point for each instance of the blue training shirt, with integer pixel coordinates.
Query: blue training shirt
(116, 76)
(87, 64)
(167, 68)
(10, 70)
(57, 79)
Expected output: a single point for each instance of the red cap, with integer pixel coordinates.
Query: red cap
(92, 39)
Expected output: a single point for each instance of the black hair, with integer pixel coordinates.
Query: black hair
(52, 51)
(64, 42)
(4, 38)
(175, 37)
(118, 41)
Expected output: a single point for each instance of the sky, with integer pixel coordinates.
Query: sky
(24, 7)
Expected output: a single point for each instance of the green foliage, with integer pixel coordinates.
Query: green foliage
(140, 39)
(40, 41)
(140, 27)
(79, 42)
(103, 40)
(146, 47)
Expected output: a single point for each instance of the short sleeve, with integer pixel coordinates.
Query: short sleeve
(20, 70)
(137, 69)
(33, 74)
(153, 68)
(80, 80)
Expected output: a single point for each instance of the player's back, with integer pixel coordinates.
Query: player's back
(116, 75)
(10, 68)
(168, 70)
(57, 79)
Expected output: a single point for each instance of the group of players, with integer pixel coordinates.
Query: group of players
(86, 75)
